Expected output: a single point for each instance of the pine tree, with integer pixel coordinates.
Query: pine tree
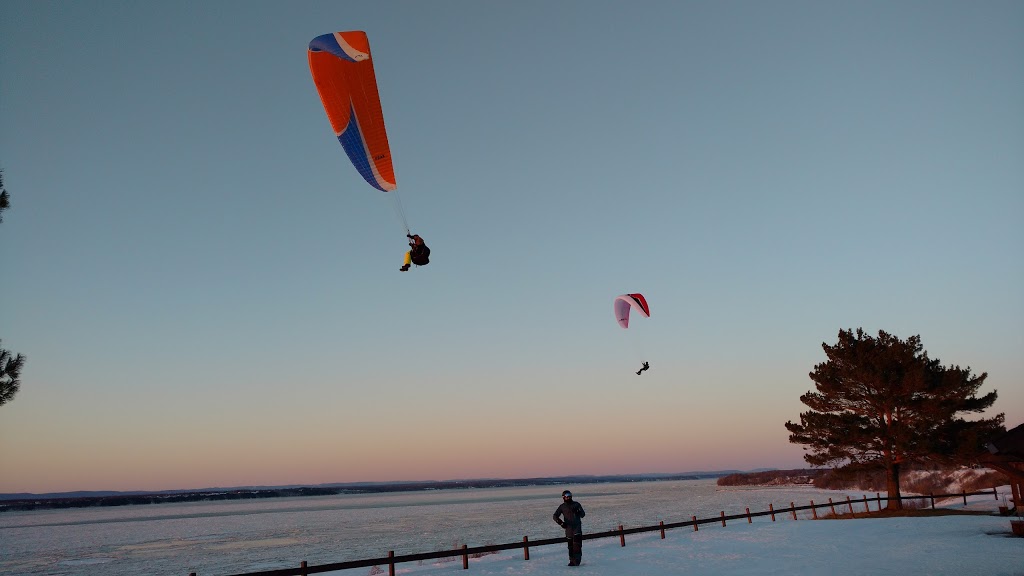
(5, 198)
(10, 366)
(882, 403)
(10, 372)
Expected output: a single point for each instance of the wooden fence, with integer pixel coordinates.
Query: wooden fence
(466, 552)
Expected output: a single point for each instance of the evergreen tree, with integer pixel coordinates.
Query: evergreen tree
(882, 403)
(5, 198)
(10, 366)
(10, 371)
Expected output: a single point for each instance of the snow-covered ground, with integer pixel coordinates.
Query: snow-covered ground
(961, 544)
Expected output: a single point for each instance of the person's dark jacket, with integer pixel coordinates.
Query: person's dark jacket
(419, 254)
(571, 517)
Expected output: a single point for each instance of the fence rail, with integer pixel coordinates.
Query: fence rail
(466, 552)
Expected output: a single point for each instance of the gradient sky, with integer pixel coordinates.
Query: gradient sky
(208, 293)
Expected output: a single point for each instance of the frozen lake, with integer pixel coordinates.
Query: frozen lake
(214, 538)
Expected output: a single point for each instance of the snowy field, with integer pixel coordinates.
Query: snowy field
(962, 545)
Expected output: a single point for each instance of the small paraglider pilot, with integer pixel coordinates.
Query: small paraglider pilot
(646, 366)
(418, 253)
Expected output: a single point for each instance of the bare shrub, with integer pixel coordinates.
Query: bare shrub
(444, 559)
(934, 482)
(916, 504)
(482, 554)
(455, 546)
(986, 481)
(873, 481)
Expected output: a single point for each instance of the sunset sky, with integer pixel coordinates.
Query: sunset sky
(208, 293)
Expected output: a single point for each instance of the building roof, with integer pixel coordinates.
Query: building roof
(1009, 444)
(1006, 453)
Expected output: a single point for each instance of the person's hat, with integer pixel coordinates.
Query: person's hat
(566, 494)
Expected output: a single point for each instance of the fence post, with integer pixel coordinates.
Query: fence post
(694, 523)
(933, 500)
(526, 548)
(749, 521)
(814, 510)
(391, 563)
(792, 508)
(833, 506)
(772, 510)
(964, 492)
(850, 504)
(465, 557)
(723, 518)
(995, 493)
(866, 507)
(662, 525)
(622, 536)
(878, 500)
(302, 568)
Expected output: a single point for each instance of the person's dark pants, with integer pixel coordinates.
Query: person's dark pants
(575, 542)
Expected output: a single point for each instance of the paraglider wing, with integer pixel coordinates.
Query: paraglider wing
(627, 302)
(342, 70)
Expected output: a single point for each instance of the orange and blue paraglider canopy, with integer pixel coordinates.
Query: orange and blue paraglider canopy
(342, 70)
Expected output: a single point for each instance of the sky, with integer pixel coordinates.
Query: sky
(208, 293)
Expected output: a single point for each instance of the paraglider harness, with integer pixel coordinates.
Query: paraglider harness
(419, 253)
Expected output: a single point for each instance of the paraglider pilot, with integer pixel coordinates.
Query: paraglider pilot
(646, 366)
(418, 253)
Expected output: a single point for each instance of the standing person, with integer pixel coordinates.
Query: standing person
(569, 516)
(418, 253)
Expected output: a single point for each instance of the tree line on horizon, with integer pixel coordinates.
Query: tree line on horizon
(927, 480)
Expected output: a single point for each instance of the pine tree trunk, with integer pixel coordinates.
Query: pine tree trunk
(892, 486)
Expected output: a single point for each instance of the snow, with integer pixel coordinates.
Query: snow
(954, 544)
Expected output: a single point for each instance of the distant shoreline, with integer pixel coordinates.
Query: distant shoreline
(24, 502)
